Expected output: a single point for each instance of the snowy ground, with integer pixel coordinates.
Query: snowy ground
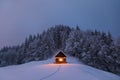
(47, 70)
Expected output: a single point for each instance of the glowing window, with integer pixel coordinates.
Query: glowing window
(60, 59)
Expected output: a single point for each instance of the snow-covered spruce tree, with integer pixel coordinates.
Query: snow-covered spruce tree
(73, 42)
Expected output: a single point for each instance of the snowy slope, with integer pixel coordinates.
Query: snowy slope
(47, 70)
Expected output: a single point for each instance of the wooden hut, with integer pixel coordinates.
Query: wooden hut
(60, 58)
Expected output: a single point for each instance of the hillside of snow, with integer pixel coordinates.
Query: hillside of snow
(47, 70)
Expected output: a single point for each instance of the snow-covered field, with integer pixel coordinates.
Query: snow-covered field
(47, 70)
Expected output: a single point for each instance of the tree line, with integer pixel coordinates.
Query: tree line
(92, 47)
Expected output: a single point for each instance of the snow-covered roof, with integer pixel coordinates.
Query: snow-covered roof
(60, 54)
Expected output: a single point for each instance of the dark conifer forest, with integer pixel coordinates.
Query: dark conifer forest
(91, 47)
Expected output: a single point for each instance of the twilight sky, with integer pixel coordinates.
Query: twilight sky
(19, 18)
